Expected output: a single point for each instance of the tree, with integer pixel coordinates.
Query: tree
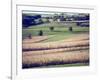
(51, 28)
(70, 29)
(40, 33)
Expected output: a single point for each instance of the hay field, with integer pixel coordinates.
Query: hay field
(39, 60)
(66, 51)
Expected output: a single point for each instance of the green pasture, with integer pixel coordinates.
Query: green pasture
(60, 31)
(68, 65)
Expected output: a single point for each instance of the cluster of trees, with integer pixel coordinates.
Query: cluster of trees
(28, 20)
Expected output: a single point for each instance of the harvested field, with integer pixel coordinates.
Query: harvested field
(54, 51)
(55, 59)
(53, 45)
(66, 51)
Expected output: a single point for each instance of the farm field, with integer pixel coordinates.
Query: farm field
(57, 48)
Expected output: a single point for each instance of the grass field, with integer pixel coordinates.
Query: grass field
(61, 32)
(57, 48)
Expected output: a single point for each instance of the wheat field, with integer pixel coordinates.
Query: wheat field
(67, 51)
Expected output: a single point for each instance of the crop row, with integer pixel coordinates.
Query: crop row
(55, 59)
(54, 51)
(54, 45)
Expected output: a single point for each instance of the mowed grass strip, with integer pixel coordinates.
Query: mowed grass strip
(67, 65)
(42, 39)
(55, 59)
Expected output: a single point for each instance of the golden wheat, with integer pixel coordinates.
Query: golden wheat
(59, 52)
(30, 53)
(66, 57)
(51, 45)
